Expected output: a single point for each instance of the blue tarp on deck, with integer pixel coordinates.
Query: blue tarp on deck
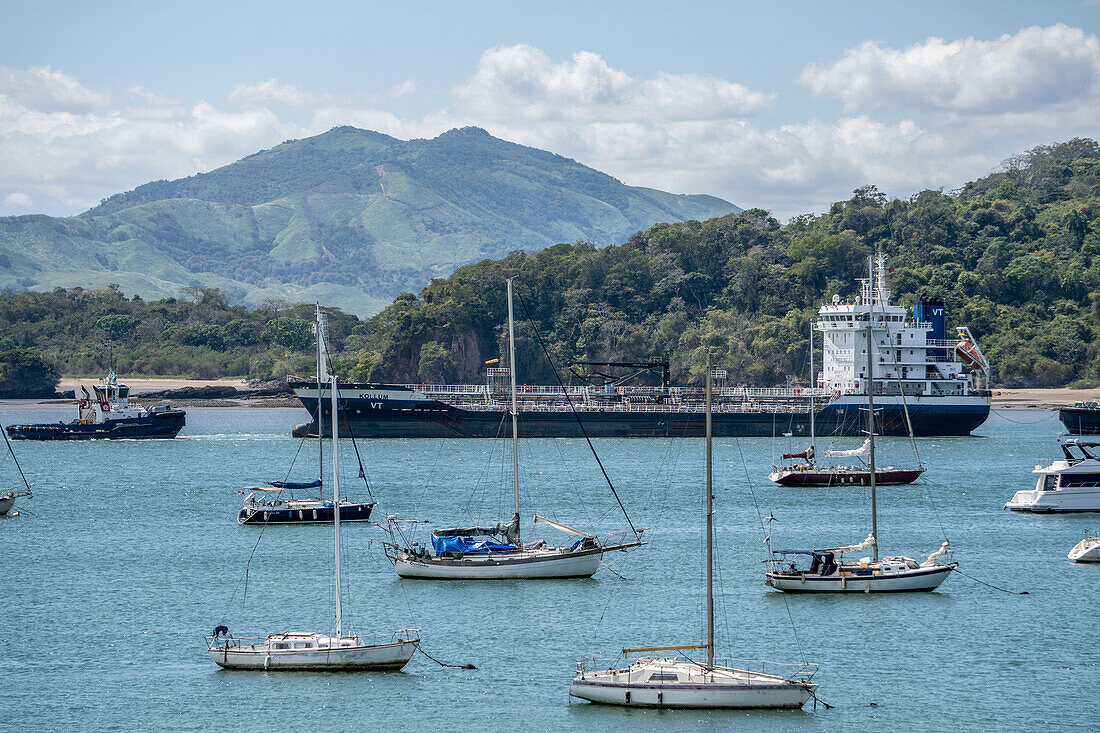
(451, 543)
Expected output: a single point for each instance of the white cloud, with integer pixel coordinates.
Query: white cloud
(47, 89)
(271, 92)
(403, 89)
(18, 200)
(64, 147)
(1035, 67)
(522, 82)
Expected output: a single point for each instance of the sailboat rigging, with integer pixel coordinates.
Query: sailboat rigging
(828, 573)
(312, 650)
(496, 552)
(257, 508)
(7, 499)
(806, 471)
(676, 682)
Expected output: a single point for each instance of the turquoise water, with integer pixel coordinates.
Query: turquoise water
(129, 553)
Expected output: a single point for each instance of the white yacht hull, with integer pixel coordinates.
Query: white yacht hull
(391, 656)
(1087, 550)
(922, 579)
(567, 565)
(1060, 501)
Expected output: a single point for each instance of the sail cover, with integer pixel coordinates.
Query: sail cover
(509, 531)
(863, 450)
(808, 454)
(562, 528)
(293, 485)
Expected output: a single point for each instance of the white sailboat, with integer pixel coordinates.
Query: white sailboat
(497, 552)
(312, 650)
(829, 573)
(675, 682)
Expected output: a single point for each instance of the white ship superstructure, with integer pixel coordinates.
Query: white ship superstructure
(906, 351)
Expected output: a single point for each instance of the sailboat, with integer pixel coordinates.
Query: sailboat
(257, 508)
(806, 472)
(497, 552)
(312, 650)
(7, 499)
(676, 682)
(828, 573)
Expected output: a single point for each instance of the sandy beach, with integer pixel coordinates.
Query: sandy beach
(137, 386)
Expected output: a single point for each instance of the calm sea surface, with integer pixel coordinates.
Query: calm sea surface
(129, 553)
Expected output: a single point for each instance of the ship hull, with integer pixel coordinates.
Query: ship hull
(1080, 420)
(166, 424)
(433, 419)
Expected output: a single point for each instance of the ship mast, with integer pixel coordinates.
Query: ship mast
(813, 383)
(515, 415)
(710, 529)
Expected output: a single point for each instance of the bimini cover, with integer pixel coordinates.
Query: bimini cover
(293, 485)
(455, 543)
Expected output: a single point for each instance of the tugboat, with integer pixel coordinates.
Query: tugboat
(105, 412)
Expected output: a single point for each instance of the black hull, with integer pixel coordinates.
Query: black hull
(320, 515)
(452, 422)
(1080, 420)
(157, 425)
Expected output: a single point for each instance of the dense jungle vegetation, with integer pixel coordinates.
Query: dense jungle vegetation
(1011, 255)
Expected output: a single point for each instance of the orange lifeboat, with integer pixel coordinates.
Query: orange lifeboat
(968, 352)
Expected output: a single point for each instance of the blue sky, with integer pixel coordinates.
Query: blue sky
(787, 106)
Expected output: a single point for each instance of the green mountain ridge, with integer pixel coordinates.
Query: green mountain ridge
(349, 217)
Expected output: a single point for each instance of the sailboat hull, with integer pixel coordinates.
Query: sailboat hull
(6, 503)
(781, 695)
(311, 512)
(364, 658)
(921, 579)
(581, 564)
(826, 477)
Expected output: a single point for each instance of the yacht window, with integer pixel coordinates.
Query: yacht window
(664, 677)
(1050, 482)
(282, 646)
(1080, 479)
(300, 645)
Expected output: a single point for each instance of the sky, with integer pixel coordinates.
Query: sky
(783, 106)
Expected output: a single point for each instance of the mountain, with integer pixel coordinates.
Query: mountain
(349, 217)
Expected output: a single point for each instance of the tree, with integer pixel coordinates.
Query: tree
(117, 325)
(290, 333)
(435, 363)
(24, 374)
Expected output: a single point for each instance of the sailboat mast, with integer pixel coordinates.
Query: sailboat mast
(710, 530)
(336, 507)
(515, 412)
(871, 437)
(320, 424)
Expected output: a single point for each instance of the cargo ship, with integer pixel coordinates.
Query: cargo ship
(940, 385)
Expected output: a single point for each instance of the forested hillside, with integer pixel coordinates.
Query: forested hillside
(1011, 254)
(349, 217)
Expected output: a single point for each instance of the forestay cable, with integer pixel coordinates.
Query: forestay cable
(561, 384)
